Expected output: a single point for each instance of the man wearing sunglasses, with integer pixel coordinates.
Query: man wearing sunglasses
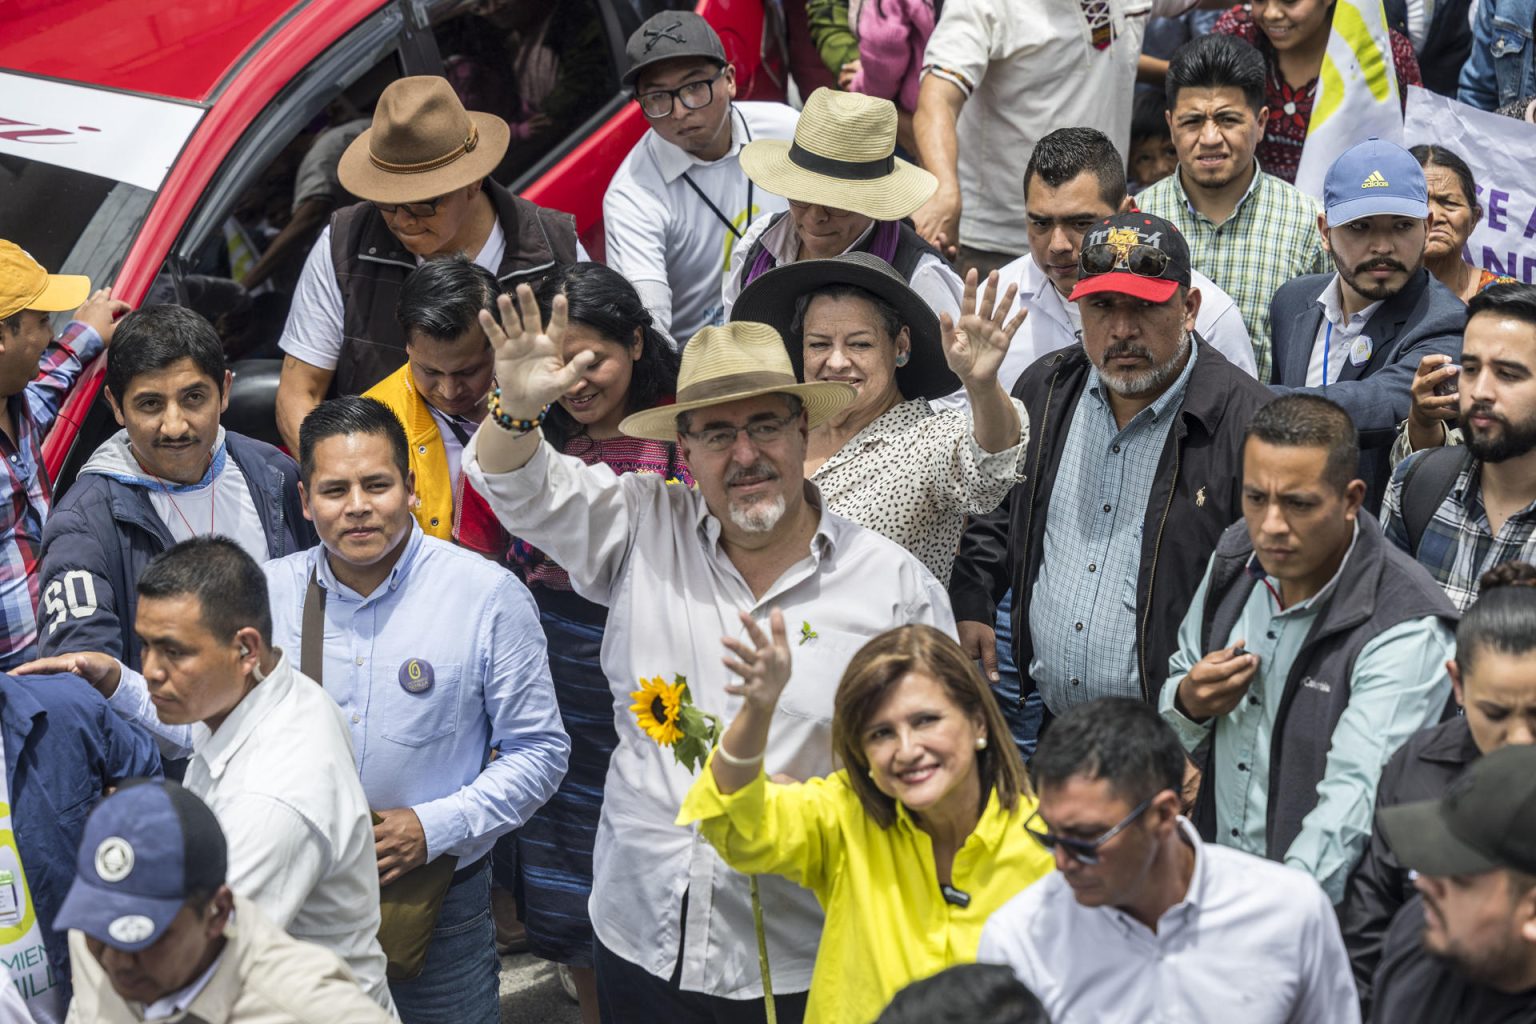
(680, 202)
(1135, 438)
(424, 170)
(1141, 920)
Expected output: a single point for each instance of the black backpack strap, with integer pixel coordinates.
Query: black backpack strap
(1425, 487)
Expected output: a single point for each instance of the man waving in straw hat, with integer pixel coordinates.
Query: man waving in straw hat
(678, 568)
(847, 192)
(36, 373)
(424, 170)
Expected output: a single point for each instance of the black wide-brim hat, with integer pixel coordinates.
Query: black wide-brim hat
(771, 300)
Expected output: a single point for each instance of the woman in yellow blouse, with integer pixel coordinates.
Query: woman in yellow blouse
(911, 846)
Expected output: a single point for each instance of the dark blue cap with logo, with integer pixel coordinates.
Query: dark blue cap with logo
(146, 849)
(1371, 178)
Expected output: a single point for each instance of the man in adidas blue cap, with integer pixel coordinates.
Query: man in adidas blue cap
(1356, 335)
(155, 933)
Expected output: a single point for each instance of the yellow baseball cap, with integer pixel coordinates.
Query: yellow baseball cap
(24, 284)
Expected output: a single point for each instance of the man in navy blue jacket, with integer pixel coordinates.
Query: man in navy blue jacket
(63, 747)
(1356, 336)
(170, 474)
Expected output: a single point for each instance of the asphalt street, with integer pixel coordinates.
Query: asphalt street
(531, 993)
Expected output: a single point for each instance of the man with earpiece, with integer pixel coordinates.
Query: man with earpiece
(269, 751)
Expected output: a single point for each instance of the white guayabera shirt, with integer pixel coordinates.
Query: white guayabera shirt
(651, 552)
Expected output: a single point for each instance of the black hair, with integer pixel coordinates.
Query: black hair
(154, 337)
(1429, 155)
(1514, 300)
(353, 414)
(442, 298)
(601, 298)
(1118, 739)
(1147, 119)
(12, 323)
(1067, 152)
(1310, 421)
(890, 319)
(1217, 62)
(966, 994)
(230, 588)
(1503, 618)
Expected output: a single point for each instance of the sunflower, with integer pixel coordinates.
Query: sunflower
(656, 707)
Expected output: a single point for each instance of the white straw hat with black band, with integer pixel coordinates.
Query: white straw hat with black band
(727, 364)
(772, 297)
(843, 156)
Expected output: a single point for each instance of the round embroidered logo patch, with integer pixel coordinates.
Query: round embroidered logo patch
(114, 859)
(130, 929)
(416, 676)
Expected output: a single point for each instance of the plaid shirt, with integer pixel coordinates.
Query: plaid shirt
(1458, 546)
(32, 413)
(1270, 238)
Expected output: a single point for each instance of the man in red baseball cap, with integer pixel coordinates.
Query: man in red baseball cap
(37, 371)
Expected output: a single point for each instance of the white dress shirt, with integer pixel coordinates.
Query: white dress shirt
(651, 552)
(1252, 942)
(1053, 323)
(1339, 339)
(279, 775)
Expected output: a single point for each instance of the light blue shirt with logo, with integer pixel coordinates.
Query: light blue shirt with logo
(444, 661)
(1399, 685)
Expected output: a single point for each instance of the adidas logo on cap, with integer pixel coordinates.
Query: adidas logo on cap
(1374, 180)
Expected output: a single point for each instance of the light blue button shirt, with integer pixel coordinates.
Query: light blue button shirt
(1399, 685)
(469, 630)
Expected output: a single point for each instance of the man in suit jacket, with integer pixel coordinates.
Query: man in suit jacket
(1357, 335)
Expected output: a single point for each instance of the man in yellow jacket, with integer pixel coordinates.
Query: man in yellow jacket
(439, 394)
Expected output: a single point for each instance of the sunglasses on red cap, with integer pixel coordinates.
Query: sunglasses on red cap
(1142, 260)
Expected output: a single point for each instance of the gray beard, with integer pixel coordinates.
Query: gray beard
(1150, 380)
(760, 516)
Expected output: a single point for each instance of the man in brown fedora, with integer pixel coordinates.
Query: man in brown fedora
(677, 568)
(423, 170)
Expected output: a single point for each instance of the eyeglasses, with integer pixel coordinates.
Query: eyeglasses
(694, 95)
(1084, 851)
(762, 432)
(1141, 260)
(421, 211)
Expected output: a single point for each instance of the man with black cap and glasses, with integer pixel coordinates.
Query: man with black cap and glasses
(1466, 950)
(679, 202)
(157, 934)
(423, 170)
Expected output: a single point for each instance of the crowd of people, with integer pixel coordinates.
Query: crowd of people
(970, 554)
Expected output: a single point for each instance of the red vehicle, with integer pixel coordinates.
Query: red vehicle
(153, 146)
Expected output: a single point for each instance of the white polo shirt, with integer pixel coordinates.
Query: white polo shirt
(1053, 323)
(664, 237)
(1028, 67)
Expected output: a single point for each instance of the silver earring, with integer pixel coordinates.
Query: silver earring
(981, 743)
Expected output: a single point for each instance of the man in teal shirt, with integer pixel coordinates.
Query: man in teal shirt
(1310, 652)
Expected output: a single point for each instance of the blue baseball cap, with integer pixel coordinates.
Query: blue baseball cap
(1372, 178)
(146, 848)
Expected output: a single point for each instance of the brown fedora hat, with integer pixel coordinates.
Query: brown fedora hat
(423, 144)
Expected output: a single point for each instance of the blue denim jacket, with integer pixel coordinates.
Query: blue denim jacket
(63, 746)
(1500, 69)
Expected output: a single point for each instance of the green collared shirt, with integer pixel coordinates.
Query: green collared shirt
(1270, 238)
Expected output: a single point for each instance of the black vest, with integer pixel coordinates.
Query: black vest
(371, 266)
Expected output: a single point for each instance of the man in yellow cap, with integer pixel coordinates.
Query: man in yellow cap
(36, 373)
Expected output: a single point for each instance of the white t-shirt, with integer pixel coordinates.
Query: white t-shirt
(1028, 67)
(932, 278)
(313, 331)
(1053, 323)
(665, 239)
(224, 507)
(1341, 340)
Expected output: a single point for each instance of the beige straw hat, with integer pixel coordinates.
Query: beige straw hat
(843, 156)
(423, 144)
(726, 364)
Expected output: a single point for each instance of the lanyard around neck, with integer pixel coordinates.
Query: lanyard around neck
(730, 225)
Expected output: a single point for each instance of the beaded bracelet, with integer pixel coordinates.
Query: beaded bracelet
(508, 423)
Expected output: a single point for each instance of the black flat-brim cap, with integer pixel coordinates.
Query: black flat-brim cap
(669, 36)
